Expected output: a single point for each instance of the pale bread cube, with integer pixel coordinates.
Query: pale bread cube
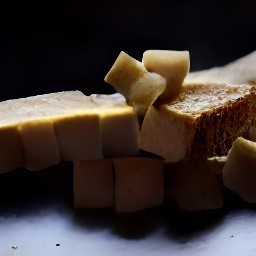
(140, 87)
(172, 65)
(119, 126)
(11, 150)
(84, 127)
(138, 183)
(214, 107)
(239, 172)
(93, 184)
(40, 144)
(78, 136)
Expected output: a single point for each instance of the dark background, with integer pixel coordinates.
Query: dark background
(56, 47)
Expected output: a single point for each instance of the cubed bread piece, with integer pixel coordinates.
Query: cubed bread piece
(138, 183)
(172, 65)
(119, 125)
(239, 172)
(39, 143)
(77, 127)
(78, 136)
(195, 185)
(93, 184)
(202, 121)
(140, 87)
(11, 150)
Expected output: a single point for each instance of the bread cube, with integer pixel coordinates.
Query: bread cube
(78, 136)
(39, 143)
(195, 185)
(239, 172)
(119, 125)
(138, 183)
(93, 184)
(139, 87)
(172, 65)
(11, 150)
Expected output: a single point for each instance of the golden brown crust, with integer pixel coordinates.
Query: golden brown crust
(216, 130)
(202, 122)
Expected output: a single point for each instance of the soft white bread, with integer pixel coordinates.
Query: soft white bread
(93, 184)
(239, 172)
(240, 71)
(139, 183)
(196, 185)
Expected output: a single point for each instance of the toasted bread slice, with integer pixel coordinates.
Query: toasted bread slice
(214, 107)
(203, 121)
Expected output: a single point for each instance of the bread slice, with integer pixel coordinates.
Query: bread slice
(35, 119)
(204, 120)
(39, 131)
(101, 126)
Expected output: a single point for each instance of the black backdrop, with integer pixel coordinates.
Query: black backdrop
(54, 47)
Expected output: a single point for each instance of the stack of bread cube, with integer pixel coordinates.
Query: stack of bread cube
(98, 133)
(187, 127)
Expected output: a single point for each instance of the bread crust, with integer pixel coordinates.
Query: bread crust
(201, 122)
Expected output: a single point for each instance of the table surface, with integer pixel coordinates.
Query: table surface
(37, 218)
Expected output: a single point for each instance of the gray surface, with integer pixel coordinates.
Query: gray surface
(39, 220)
(38, 234)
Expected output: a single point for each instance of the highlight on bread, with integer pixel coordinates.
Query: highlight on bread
(164, 133)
